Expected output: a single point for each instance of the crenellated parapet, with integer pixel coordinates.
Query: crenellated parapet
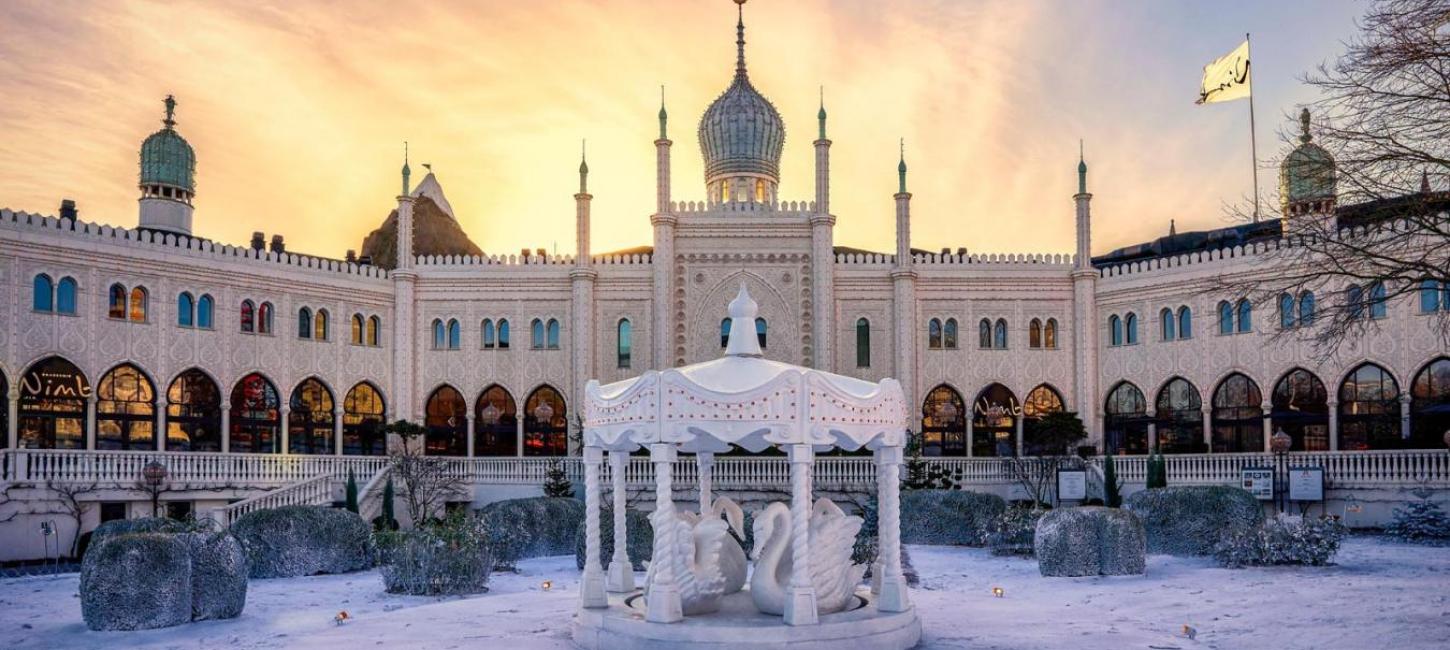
(935, 259)
(786, 208)
(631, 259)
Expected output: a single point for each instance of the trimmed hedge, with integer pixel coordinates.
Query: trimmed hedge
(641, 538)
(1090, 541)
(519, 529)
(1190, 520)
(948, 517)
(294, 541)
(218, 575)
(137, 582)
(120, 527)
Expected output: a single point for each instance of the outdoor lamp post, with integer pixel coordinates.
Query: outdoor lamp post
(153, 475)
(1280, 443)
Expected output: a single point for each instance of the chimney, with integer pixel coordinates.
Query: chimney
(366, 260)
(258, 241)
(351, 256)
(277, 245)
(946, 251)
(68, 209)
(962, 250)
(541, 253)
(524, 253)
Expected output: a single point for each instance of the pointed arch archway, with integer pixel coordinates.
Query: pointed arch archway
(363, 415)
(1125, 420)
(310, 422)
(943, 423)
(447, 422)
(1178, 416)
(546, 423)
(52, 409)
(125, 410)
(1238, 415)
(1430, 405)
(1301, 409)
(994, 421)
(1369, 409)
(495, 423)
(1042, 400)
(193, 413)
(255, 419)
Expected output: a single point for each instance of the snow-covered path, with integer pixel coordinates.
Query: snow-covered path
(1383, 595)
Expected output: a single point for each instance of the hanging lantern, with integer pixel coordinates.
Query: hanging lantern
(543, 412)
(1280, 442)
(490, 414)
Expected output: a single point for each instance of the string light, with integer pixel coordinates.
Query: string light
(998, 592)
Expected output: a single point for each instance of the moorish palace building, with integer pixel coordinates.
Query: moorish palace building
(154, 338)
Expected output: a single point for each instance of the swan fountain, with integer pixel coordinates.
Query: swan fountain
(804, 590)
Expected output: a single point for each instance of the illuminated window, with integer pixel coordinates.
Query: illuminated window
(264, 318)
(138, 304)
(759, 190)
(1049, 334)
(1034, 334)
(375, 327)
(248, 316)
(357, 330)
(319, 325)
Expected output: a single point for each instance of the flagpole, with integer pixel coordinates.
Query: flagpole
(1253, 136)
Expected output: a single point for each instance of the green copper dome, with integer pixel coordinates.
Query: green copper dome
(1307, 173)
(166, 158)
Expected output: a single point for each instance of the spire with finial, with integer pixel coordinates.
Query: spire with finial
(1424, 181)
(1304, 125)
(821, 114)
(742, 341)
(1081, 170)
(407, 171)
(583, 167)
(170, 120)
(664, 117)
(1172, 228)
(901, 167)
(740, 40)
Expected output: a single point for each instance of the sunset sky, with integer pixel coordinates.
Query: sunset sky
(298, 110)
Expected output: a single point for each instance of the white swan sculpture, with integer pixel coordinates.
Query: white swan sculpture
(696, 567)
(732, 558)
(832, 536)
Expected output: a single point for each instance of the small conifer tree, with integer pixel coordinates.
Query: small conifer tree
(1112, 487)
(351, 492)
(556, 482)
(1421, 520)
(390, 521)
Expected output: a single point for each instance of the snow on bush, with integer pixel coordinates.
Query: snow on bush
(1283, 540)
(948, 517)
(636, 527)
(137, 582)
(119, 527)
(218, 575)
(448, 558)
(1013, 531)
(1420, 521)
(1090, 541)
(1189, 520)
(294, 541)
(534, 527)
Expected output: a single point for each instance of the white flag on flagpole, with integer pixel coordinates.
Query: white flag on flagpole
(1226, 78)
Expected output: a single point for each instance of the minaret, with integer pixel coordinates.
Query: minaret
(668, 346)
(405, 282)
(581, 299)
(168, 178)
(1085, 312)
(903, 285)
(823, 255)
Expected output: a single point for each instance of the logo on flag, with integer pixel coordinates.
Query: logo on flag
(1226, 78)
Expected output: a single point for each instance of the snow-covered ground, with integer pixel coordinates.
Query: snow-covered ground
(1382, 595)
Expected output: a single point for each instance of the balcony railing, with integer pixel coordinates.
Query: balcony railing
(183, 469)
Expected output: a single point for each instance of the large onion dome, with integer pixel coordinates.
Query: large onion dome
(741, 133)
(1307, 176)
(166, 158)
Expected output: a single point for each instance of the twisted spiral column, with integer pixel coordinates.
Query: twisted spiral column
(800, 605)
(621, 570)
(893, 596)
(591, 593)
(705, 462)
(663, 602)
(876, 565)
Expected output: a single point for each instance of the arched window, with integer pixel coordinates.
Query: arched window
(1034, 334)
(1287, 311)
(724, 332)
(1115, 330)
(623, 344)
(440, 335)
(1300, 409)
(138, 304)
(193, 413)
(759, 190)
(760, 331)
(863, 343)
(125, 410)
(1130, 329)
(949, 334)
(1125, 420)
(52, 409)
(1185, 322)
(42, 293)
(455, 334)
(185, 310)
(1306, 308)
(1430, 405)
(1245, 315)
(503, 334)
(356, 334)
(249, 317)
(1042, 400)
(65, 296)
(1049, 334)
(1377, 304)
(943, 423)
(933, 334)
(496, 423)
(553, 332)
(546, 423)
(255, 421)
(1354, 302)
(304, 323)
(319, 325)
(116, 302)
(725, 191)
(537, 334)
(446, 419)
(1225, 318)
(264, 318)
(1238, 415)
(984, 334)
(204, 311)
(375, 328)
(490, 338)
(994, 422)
(363, 413)
(310, 423)
(1369, 410)
(1166, 324)
(999, 335)
(1179, 412)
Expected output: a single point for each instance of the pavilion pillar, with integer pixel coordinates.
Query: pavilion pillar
(663, 601)
(159, 433)
(705, 462)
(892, 596)
(800, 603)
(1333, 425)
(877, 566)
(591, 590)
(226, 432)
(12, 422)
(621, 569)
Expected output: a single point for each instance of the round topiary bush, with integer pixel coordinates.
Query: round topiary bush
(1190, 520)
(1090, 541)
(448, 558)
(948, 517)
(532, 527)
(119, 527)
(636, 525)
(218, 575)
(294, 541)
(137, 582)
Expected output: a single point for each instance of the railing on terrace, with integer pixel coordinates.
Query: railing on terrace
(314, 491)
(182, 468)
